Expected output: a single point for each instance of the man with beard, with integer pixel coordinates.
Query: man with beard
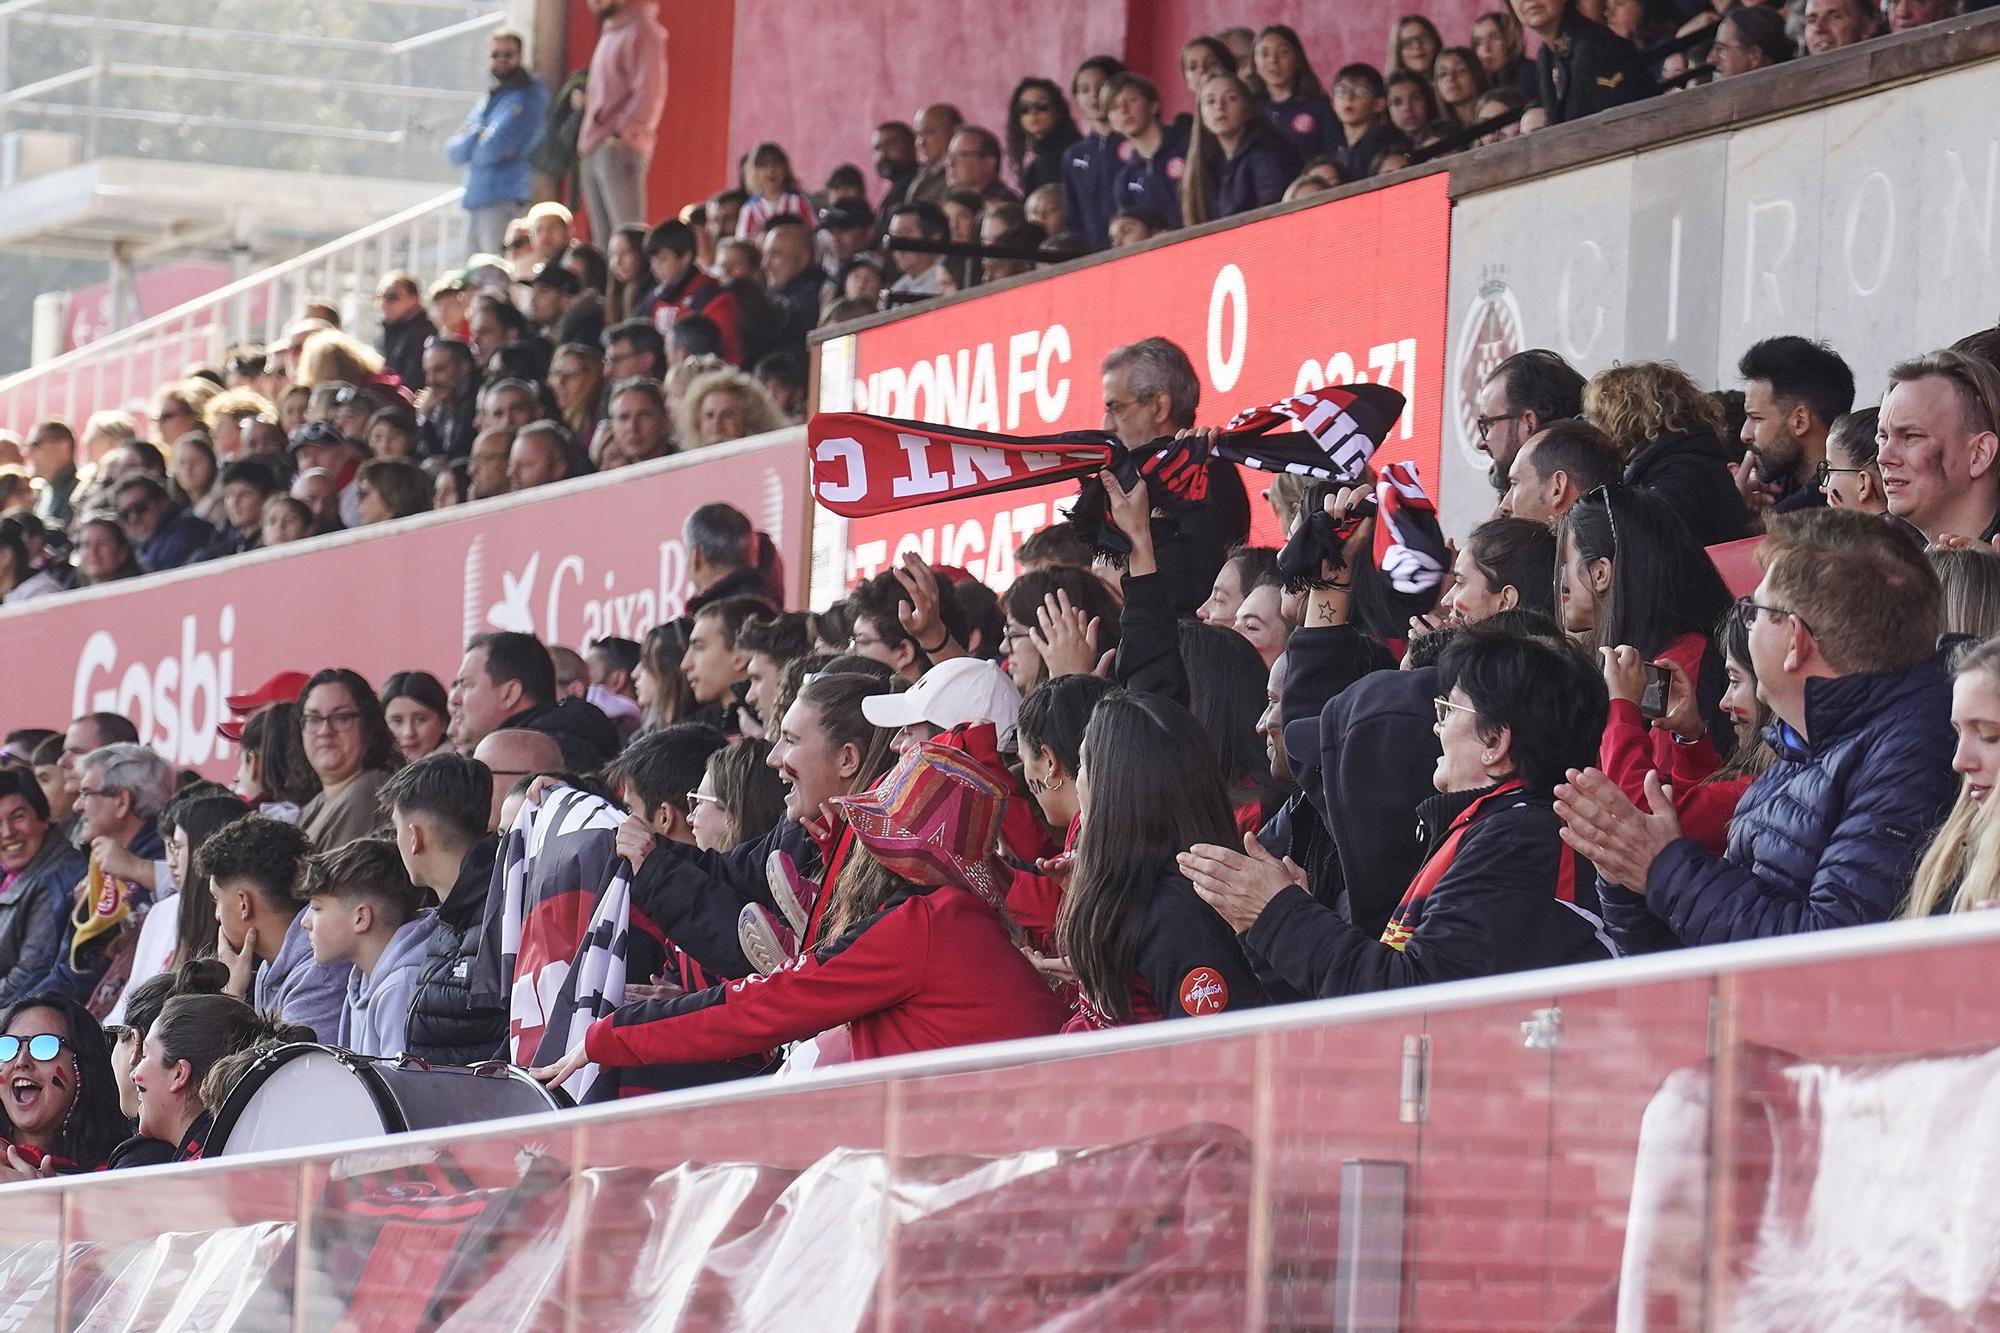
(492, 143)
(1794, 389)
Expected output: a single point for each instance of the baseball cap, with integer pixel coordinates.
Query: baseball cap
(556, 276)
(282, 688)
(316, 433)
(846, 213)
(230, 730)
(964, 689)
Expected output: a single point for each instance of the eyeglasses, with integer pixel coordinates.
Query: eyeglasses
(855, 643)
(1824, 473)
(85, 793)
(127, 513)
(1444, 707)
(339, 721)
(42, 1047)
(704, 798)
(1485, 425)
(1746, 611)
(168, 415)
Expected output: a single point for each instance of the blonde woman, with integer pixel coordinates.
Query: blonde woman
(724, 405)
(331, 355)
(1971, 578)
(1669, 434)
(224, 418)
(1961, 871)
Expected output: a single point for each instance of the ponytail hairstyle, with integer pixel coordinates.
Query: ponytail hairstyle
(195, 928)
(1155, 789)
(273, 735)
(1961, 867)
(838, 698)
(197, 976)
(208, 1030)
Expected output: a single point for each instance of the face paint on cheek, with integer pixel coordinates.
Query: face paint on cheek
(57, 1080)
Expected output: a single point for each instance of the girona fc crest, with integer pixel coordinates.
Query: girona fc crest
(1491, 333)
(1203, 991)
(1302, 123)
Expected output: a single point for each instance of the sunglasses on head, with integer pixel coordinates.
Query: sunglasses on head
(42, 1047)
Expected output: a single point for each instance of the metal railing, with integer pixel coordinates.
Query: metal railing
(123, 369)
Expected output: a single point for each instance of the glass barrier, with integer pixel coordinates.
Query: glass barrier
(1776, 1135)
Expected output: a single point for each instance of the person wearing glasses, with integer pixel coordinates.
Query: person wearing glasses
(349, 745)
(1040, 130)
(493, 142)
(120, 793)
(1843, 633)
(1850, 478)
(1522, 396)
(59, 1111)
(1498, 890)
(167, 536)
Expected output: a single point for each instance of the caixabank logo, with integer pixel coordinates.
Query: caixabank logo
(1489, 334)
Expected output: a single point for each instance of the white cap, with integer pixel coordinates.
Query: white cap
(964, 689)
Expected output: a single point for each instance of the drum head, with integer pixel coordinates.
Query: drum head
(303, 1097)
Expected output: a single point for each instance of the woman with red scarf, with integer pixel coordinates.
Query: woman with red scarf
(1499, 890)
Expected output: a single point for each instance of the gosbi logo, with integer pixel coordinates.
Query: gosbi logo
(1302, 123)
(1491, 333)
(1203, 991)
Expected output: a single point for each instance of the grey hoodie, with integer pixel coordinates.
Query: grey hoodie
(297, 989)
(378, 1003)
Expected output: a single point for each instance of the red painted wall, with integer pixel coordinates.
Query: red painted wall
(694, 128)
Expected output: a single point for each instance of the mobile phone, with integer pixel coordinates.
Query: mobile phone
(1653, 699)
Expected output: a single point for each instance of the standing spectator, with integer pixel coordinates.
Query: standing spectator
(1523, 395)
(895, 147)
(167, 536)
(1669, 433)
(1294, 100)
(253, 866)
(492, 142)
(935, 125)
(405, 327)
(621, 112)
(52, 458)
(774, 192)
(1236, 161)
(1832, 24)
(1794, 389)
(972, 163)
(1039, 133)
(1939, 454)
(1843, 632)
(1151, 173)
(1584, 67)
(1091, 162)
(1459, 80)
(348, 745)
(1502, 52)
(1851, 478)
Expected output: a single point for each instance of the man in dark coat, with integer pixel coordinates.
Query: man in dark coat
(1585, 67)
(1843, 633)
(405, 327)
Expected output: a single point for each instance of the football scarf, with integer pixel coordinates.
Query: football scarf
(865, 465)
(102, 904)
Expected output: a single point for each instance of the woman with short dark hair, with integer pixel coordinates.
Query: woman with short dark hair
(347, 742)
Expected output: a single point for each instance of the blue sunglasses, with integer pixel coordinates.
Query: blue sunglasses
(43, 1047)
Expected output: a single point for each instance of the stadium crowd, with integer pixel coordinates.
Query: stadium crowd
(1158, 784)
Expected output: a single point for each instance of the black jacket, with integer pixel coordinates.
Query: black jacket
(35, 914)
(1588, 68)
(1189, 964)
(446, 1027)
(403, 347)
(582, 323)
(742, 582)
(449, 428)
(1690, 473)
(588, 738)
(1494, 909)
(693, 897)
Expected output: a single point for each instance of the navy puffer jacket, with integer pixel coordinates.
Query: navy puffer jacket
(1828, 836)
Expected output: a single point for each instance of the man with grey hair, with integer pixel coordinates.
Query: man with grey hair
(540, 455)
(509, 404)
(722, 548)
(1151, 392)
(123, 789)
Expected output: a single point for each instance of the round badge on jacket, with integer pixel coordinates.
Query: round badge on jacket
(1203, 991)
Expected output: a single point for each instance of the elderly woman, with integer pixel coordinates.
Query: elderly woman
(724, 405)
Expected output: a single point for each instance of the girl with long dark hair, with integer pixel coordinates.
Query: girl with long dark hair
(773, 191)
(59, 1109)
(417, 710)
(1294, 101)
(1237, 160)
(1040, 130)
(1141, 943)
(1226, 694)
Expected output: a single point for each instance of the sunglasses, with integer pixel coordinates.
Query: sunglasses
(1030, 108)
(42, 1047)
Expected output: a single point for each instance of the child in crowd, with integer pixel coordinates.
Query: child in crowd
(362, 911)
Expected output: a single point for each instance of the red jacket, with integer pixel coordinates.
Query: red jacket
(1632, 746)
(934, 968)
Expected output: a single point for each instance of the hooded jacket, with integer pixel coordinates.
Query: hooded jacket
(297, 989)
(1689, 472)
(445, 1026)
(375, 1020)
(493, 142)
(933, 968)
(34, 914)
(1499, 892)
(1828, 835)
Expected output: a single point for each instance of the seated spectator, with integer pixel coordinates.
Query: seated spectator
(361, 911)
(1907, 14)
(285, 520)
(1832, 24)
(1557, 467)
(506, 681)
(541, 454)
(1939, 455)
(795, 281)
(860, 281)
(657, 773)
(972, 163)
(1039, 133)
(635, 349)
(392, 433)
(1413, 46)
(740, 798)
(1236, 160)
(723, 550)
(142, 1004)
(1498, 102)
(347, 742)
(1129, 226)
(724, 405)
(1505, 563)
(920, 274)
(1411, 105)
(1498, 41)
(1749, 38)
(447, 409)
(1970, 576)
(1151, 172)
(716, 665)
(1850, 476)
(192, 1035)
(38, 871)
(1584, 67)
(638, 424)
(1044, 207)
(1959, 871)
(770, 644)
(253, 866)
(1498, 891)
(1017, 236)
(1525, 394)
(391, 488)
(1669, 433)
(1293, 102)
(1459, 81)
(1359, 134)
(20, 581)
(905, 895)
(121, 789)
(657, 683)
(1842, 631)
(1794, 389)
(181, 923)
(563, 307)
(167, 536)
(847, 232)
(192, 477)
(962, 691)
(785, 378)
(60, 1116)
(576, 380)
(773, 192)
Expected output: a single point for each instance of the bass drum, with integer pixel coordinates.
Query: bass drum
(303, 1095)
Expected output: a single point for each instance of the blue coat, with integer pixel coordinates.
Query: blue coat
(1828, 836)
(1089, 168)
(492, 143)
(34, 914)
(1263, 167)
(1153, 183)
